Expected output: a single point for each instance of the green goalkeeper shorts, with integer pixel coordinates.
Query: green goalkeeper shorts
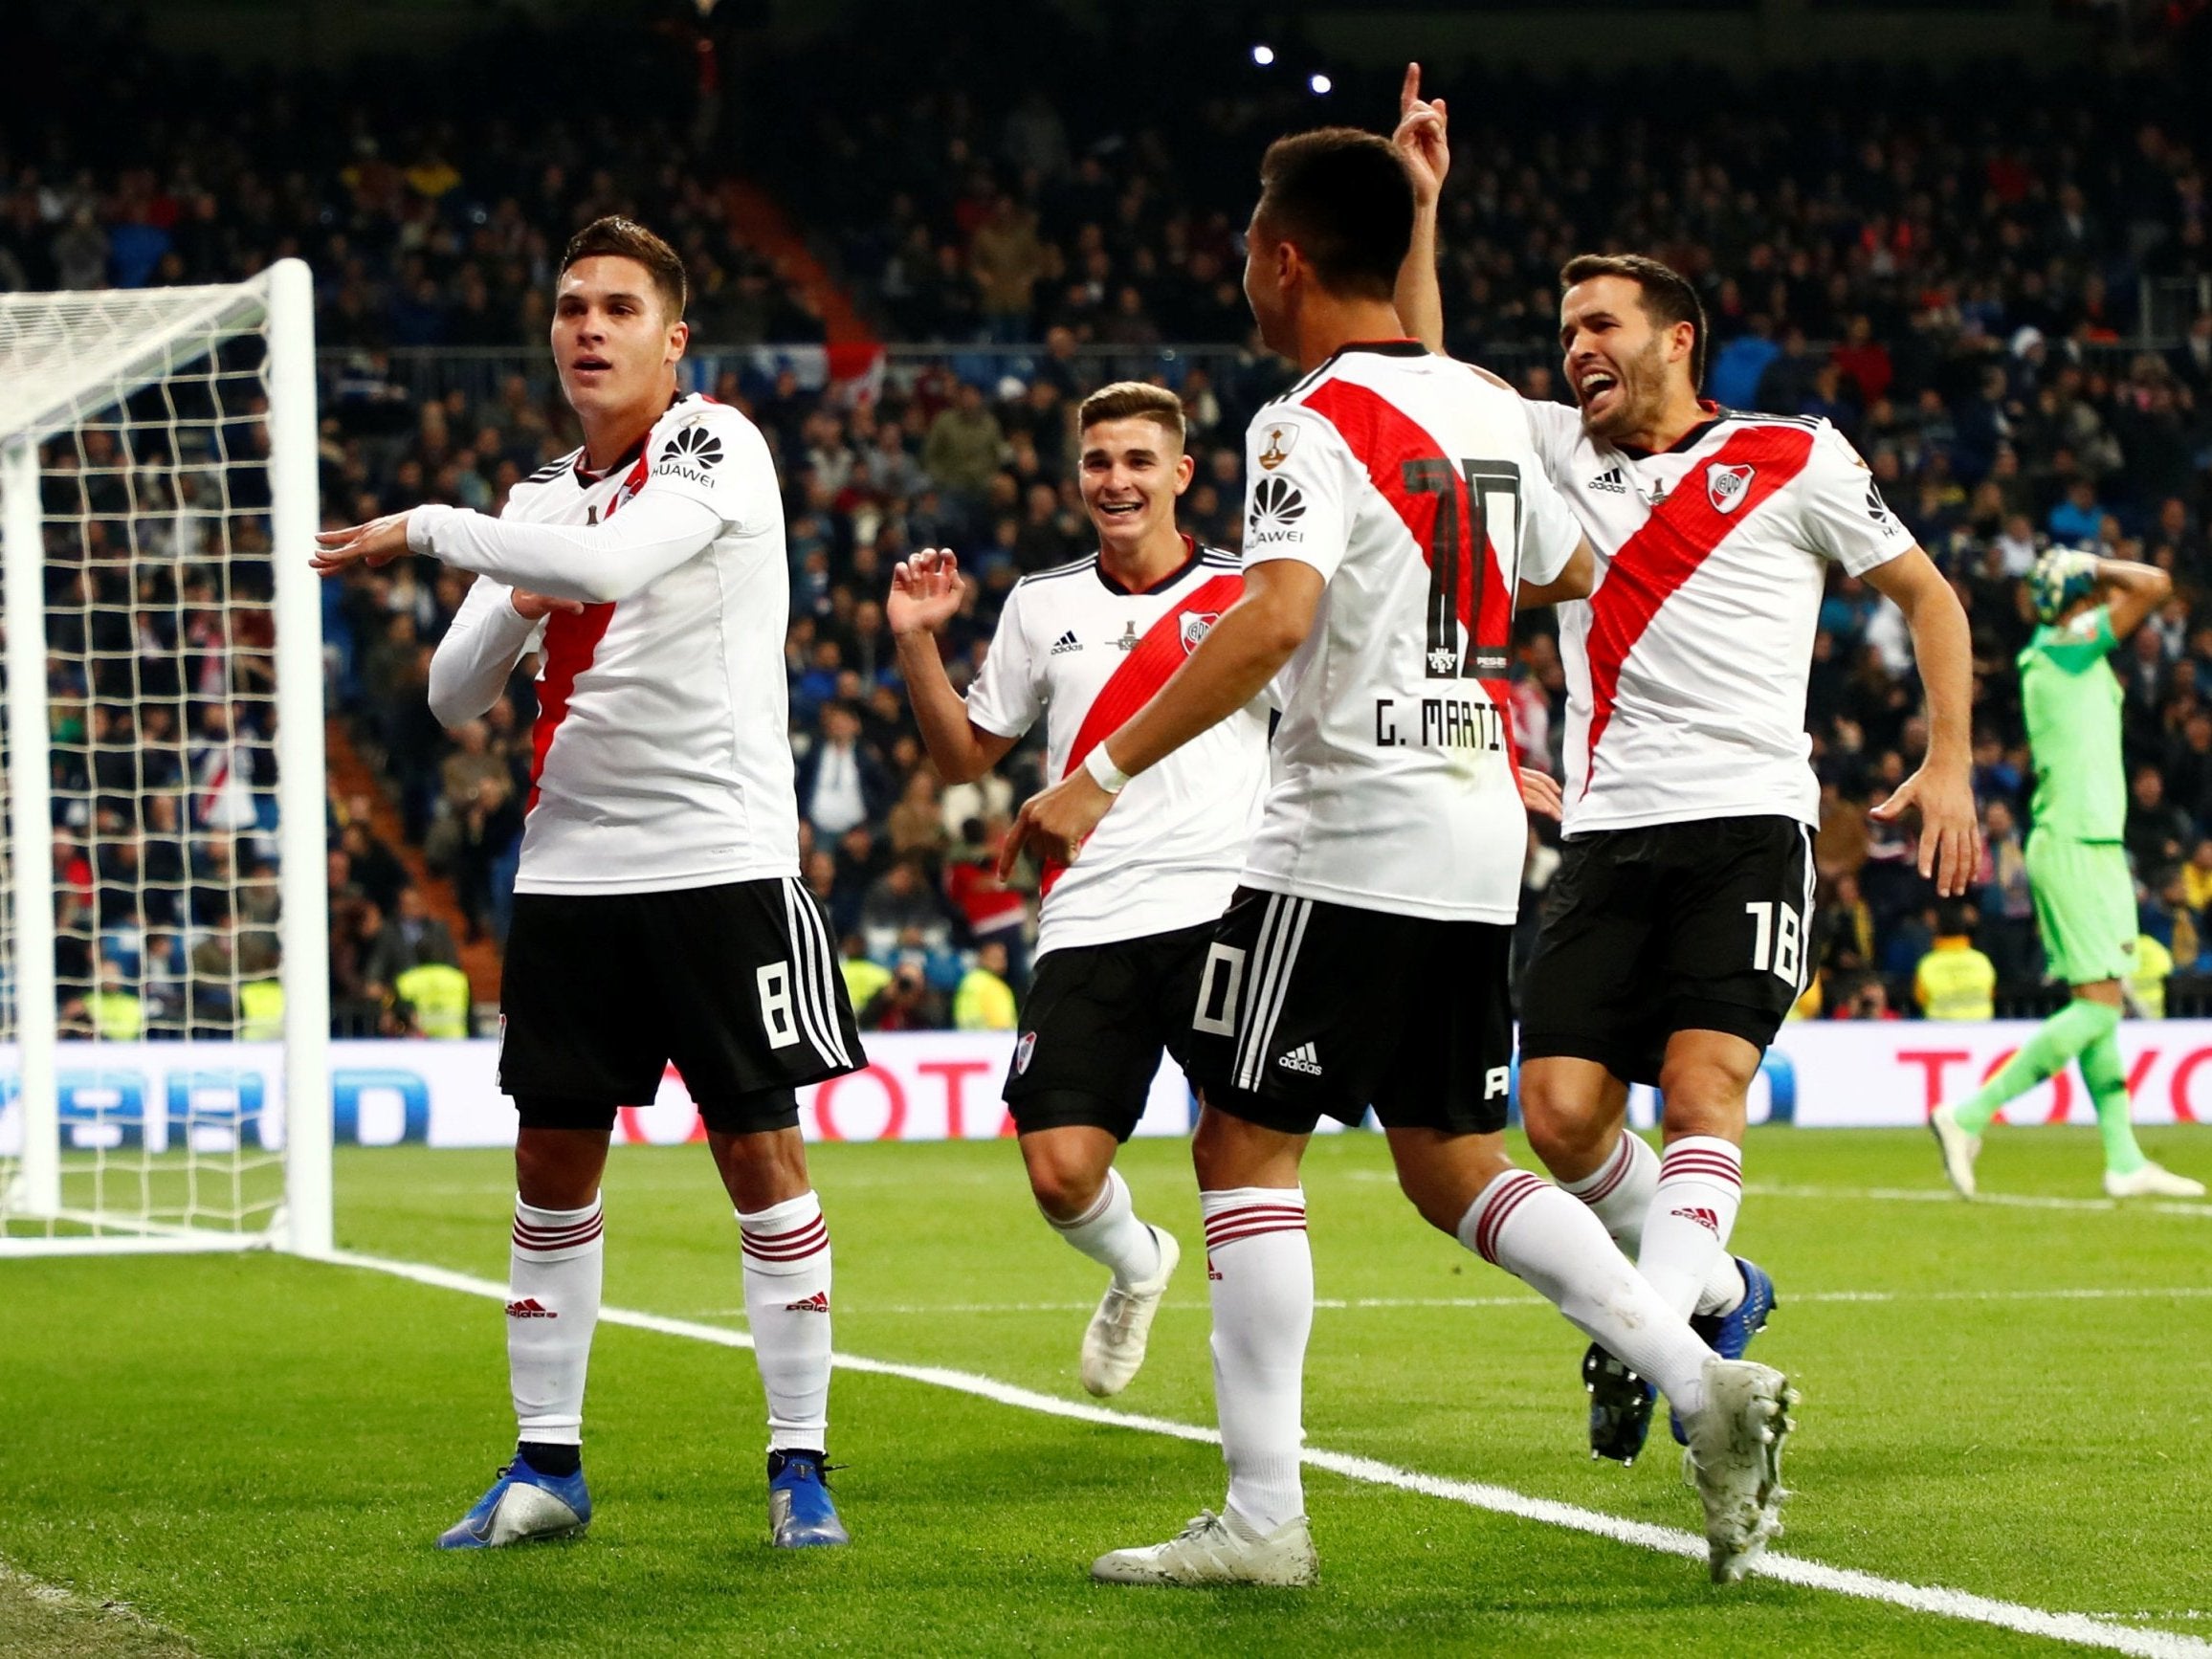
(2084, 905)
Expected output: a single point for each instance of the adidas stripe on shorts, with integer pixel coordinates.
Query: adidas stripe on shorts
(1308, 1008)
(736, 985)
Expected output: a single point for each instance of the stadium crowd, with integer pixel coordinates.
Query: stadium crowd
(1959, 286)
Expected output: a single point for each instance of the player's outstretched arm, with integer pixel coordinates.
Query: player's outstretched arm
(925, 594)
(2131, 592)
(1942, 788)
(488, 636)
(1421, 140)
(1232, 665)
(1575, 582)
(599, 563)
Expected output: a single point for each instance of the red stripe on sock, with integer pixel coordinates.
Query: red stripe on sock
(1495, 1214)
(1611, 1176)
(787, 1247)
(1245, 1218)
(788, 1232)
(1215, 1241)
(546, 1246)
(1701, 1169)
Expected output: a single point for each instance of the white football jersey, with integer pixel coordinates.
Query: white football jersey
(1686, 667)
(661, 758)
(1408, 481)
(1077, 647)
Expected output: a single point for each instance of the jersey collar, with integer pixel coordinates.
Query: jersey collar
(586, 478)
(1188, 565)
(1714, 414)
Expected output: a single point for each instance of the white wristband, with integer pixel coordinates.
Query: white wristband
(1104, 772)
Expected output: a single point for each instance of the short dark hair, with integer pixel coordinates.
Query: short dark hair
(1668, 296)
(1133, 400)
(1344, 198)
(616, 237)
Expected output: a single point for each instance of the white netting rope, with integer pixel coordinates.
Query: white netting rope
(155, 494)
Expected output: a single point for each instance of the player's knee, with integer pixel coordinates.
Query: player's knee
(1564, 1134)
(1064, 1186)
(1703, 1096)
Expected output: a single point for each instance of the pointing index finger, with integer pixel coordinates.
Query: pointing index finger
(1409, 93)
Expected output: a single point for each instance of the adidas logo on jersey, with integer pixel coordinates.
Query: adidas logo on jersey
(817, 1303)
(1610, 482)
(1301, 1059)
(1067, 642)
(530, 1307)
(1703, 1217)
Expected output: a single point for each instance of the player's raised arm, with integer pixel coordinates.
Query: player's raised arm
(925, 594)
(2131, 592)
(1421, 142)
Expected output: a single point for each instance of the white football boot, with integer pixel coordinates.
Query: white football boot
(1735, 1461)
(1219, 1549)
(1959, 1149)
(1113, 1346)
(2151, 1181)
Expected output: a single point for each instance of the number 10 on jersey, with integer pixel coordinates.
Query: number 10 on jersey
(1454, 548)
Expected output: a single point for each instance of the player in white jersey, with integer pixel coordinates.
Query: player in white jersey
(1673, 942)
(1125, 928)
(1396, 511)
(659, 915)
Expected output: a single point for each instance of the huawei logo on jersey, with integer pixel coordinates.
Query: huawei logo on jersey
(1277, 506)
(1727, 486)
(691, 453)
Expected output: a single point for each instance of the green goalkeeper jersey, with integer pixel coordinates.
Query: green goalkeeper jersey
(2071, 699)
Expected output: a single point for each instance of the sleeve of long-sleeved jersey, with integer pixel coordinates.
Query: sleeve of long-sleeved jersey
(599, 563)
(480, 648)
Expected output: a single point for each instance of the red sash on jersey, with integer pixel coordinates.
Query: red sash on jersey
(571, 642)
(1384, 438)
(1144, 671)
(1682, 531)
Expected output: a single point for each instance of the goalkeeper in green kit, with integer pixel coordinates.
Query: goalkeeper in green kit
(2085, 898)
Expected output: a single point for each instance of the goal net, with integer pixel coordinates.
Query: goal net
(164, 989)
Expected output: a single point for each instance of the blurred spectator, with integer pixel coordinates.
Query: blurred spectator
(984, 1001)
(1953, 980)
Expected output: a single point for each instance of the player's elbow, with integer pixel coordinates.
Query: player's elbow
(453, 704)
(2161, 585)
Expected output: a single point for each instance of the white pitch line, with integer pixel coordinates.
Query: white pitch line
(2076, 1627)
(2000, 1200)
(1360, 1304)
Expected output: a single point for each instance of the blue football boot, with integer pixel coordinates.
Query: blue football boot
(522, 1505)
(800, 1512)
(1730, 1333)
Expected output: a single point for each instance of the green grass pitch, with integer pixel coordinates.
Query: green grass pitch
(255, 1454)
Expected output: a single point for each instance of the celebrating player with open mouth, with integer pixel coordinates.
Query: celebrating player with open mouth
(658, 914)
(1674, 934)
(1125, 928)
(1395, 510)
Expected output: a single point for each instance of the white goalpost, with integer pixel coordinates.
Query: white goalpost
(164, 959)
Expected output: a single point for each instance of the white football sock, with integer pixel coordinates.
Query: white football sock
(1260, 1269)
(1528, 1226)
(1619, 1190)
(787, 1306)
(553, 1279)
(1111, 1235)
(1692, 1214)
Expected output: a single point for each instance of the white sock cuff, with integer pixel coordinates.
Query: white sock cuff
(784, 1238)
(1493, 1207)
(1115, 1189)
(1602, 1183)
(555, 1235)
(1243, 1212)
(1703, 1158)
